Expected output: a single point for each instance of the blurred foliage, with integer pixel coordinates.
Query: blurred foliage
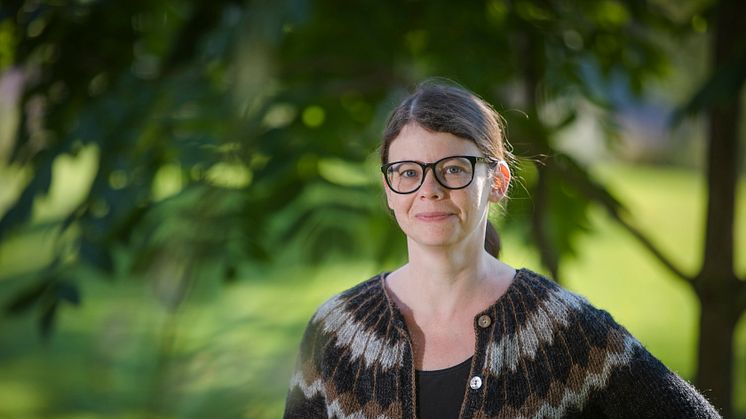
(229, 131)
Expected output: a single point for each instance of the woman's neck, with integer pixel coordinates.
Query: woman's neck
(442, 282)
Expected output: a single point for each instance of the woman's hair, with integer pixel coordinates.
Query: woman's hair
(440, 107)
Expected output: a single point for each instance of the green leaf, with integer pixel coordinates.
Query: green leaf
(27, 298)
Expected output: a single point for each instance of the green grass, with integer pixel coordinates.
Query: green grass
(229, 351)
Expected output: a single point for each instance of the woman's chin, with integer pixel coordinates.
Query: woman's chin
(435, 240)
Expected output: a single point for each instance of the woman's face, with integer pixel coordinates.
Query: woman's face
(435, 215)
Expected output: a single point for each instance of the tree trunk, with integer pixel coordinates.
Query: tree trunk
(547, 253)
(533, 69)
(717, 285)
(717, 322)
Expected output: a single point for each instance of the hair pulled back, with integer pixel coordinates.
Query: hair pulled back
(448, 108)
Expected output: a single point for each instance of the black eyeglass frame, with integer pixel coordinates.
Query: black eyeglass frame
(472, 159)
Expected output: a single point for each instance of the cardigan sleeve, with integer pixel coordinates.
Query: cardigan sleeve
(306, 396)
(645, 388)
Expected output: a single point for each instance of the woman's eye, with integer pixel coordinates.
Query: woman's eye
(454, 170)
(409, 173)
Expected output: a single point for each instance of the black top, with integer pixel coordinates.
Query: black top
(441, 392)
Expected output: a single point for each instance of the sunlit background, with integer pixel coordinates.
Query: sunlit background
(183, 183)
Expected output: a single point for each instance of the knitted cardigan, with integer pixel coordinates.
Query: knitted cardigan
(542, 352)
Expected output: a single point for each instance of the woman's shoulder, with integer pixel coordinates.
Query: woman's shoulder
(361, 308)
(360, 322)
(567, 311)
(365, 291)
(535, 286)
(584, 345)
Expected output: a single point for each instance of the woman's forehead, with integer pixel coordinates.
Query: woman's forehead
(417, 143)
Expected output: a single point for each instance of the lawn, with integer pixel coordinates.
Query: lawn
(230, 350)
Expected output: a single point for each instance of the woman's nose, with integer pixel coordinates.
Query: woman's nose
(431, 188)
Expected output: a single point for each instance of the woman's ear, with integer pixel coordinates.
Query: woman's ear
(500, 181)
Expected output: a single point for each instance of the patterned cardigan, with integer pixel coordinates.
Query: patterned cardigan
(541, 351)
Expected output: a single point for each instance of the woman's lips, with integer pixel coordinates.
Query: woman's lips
(433, 216)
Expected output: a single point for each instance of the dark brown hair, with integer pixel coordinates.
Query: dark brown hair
(440, 107)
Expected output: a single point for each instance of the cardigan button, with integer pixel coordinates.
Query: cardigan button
(475, 383)
(484, 321)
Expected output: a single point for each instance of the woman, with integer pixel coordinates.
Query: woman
(455, 332)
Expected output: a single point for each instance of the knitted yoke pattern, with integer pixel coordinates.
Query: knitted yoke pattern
(545, 352)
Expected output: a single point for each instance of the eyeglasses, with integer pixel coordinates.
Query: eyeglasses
(454, 172)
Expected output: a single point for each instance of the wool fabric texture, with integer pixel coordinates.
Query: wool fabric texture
(546, 353)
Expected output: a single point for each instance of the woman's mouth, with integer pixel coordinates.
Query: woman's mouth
(433, 216)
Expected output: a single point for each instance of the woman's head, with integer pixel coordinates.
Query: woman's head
(447, 109)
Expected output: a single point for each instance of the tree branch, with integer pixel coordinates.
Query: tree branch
(648, 244)
(615, 209)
